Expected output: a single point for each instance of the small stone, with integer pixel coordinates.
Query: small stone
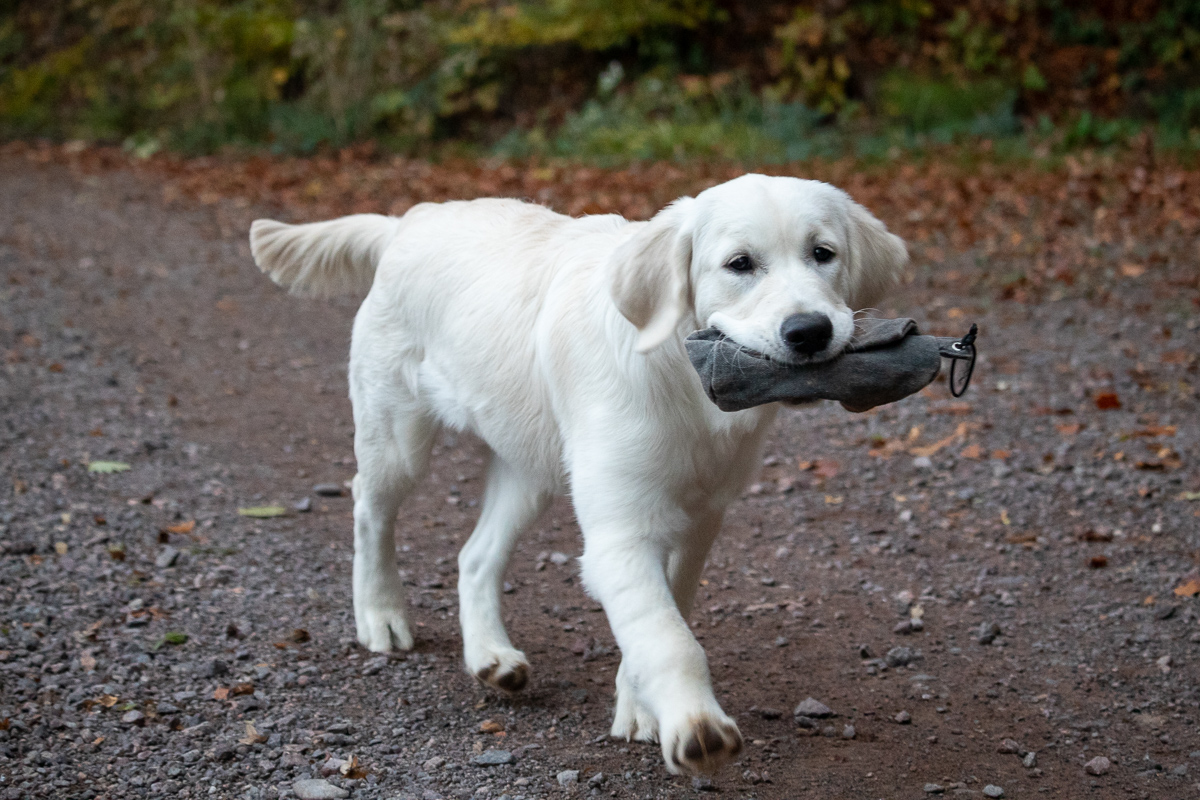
(1030, 760)
(327, 490)
(848, 732)
(770, 713)
(494, 758)
(813, 708)
(702, 783)
(433, 763)
(1180, 771)
(332, 766)
(934, 788)
(559, 559)
(904, 718)
(993, 791)
(911, 625)
(317, 789)
(1165, 612)
(1008, 746)
(133, 717)
(303, 505)
(900, 656)
(568, 777)
(1097, 766)
(166, 558)
(922, 462)
(596, 779)
(987, 633)
(781, 641)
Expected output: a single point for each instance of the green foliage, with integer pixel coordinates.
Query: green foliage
(692, 78)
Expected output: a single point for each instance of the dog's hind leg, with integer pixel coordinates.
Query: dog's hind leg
(392, 449)
(510, 504)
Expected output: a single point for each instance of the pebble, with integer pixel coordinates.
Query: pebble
(701, 783)
(1097, 766)
(911, 625)
(167, 557)
(1008, 746)
(133, 717)
(848, 732)
(934, 788)
(317, 789)
(813, 708)
(1030, 760)
(327, 490)
(568, 777)
(494, 758)
(993, 791)
(987, 633)
(303, 505)
(904, 718)
(559, 559)
(922, 462)
(900, 656)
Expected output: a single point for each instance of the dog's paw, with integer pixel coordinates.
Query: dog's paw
(631, 722)
(504, 668)
(381, 627)
(702, 745)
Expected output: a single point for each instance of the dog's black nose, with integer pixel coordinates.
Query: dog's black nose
(807, 333)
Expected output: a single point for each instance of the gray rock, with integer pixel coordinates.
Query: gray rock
(328, 490)
(1008, 746)
(167, 557)
(493, 758)
(568, 777)
(904, 718)
(922, 462)
(993, 791)
(303, 505)
(934, 788)
(133, 717)
(987, 633)
(900, 656)
(1097, 766)
(316, 789)
(848, 732)
(702, 783)
(1030, 760)
(813, 708)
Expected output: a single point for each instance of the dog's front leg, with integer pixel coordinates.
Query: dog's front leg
(626, 568)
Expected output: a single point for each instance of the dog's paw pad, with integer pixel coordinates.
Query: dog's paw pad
(706, 746)
(506, 674)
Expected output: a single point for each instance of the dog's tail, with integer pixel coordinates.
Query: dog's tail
(322, 258)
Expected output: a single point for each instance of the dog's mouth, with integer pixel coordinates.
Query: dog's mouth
(789, 361)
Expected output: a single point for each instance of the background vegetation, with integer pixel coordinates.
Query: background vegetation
(603, 79)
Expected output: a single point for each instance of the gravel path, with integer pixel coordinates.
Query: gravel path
(979, 595)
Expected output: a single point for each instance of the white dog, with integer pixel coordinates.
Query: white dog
(559, 342)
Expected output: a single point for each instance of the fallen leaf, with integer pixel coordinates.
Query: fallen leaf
(1133, 270)
(1189, 589)
(1151, 431)
(107, 700)
(221, 693)
(181, 527)
(1191, 496)
(175, 637)
(1098, 562)
(1070, 429)
(826, 468)
(1000, 455)
(1150, 600)
(833, 499)
(352, 769)
(107, 467)
(972, 451)
(1090, 535)
(61, 548)
(1107, 401)
(252, 735)
(490, 726)
(1004, 520)
(300, 636)
(87, 662)
(243, 688)
(263, 511)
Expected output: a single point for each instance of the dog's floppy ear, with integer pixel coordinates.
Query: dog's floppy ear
(877, 258)
(649, 275)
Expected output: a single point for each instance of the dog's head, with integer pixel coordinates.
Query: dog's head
(779, 265)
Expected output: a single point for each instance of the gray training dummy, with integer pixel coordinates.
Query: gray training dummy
(887, 360)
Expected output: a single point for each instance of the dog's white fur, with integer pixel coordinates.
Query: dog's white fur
(559, 342)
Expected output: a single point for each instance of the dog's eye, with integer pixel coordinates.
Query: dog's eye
(822, 254)
(740, 264)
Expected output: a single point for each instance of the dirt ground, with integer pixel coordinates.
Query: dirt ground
(154, 642)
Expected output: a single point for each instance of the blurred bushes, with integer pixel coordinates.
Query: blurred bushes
(608, 79)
